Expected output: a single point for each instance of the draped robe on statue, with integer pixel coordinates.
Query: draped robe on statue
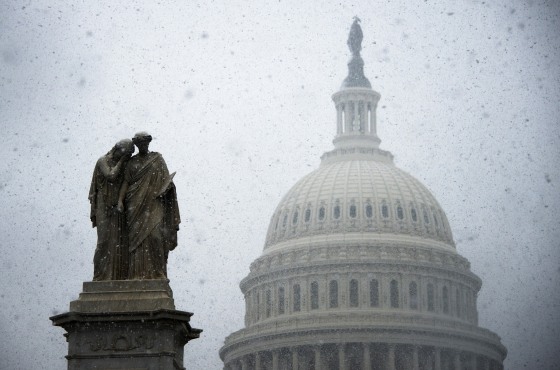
(152, 215)
(111, 254)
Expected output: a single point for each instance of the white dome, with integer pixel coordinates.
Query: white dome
(359, 197)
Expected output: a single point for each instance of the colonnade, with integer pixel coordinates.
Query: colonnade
(363, 356)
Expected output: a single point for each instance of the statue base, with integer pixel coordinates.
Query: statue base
(126, 324)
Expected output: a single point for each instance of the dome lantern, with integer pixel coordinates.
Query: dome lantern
(356, 106)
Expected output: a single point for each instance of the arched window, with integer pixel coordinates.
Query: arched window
(285, 221)
(394, 294)
(295, 218)
(413, 294)
(413, 215)
(333, 294)
(442, 220)
(352, 213)
(268, 303)
(336, 212)
(458, 302)
(426, 219)
(297, 298)
(369, 211)
(385, 211)
(435, 220)
(307, 215)
(321, 213)
(277, 222)
(280, 300)
(445, 296)
(314, 295)
(431, 307)
(400, 214)
(374, 293)
(354, 298)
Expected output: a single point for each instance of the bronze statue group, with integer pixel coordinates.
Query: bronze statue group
(134, 208)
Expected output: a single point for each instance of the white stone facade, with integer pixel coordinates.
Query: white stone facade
(359, 270)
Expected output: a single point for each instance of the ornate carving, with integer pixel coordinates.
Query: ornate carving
(120, 342)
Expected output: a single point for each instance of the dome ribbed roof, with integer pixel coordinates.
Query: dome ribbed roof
(371, 199)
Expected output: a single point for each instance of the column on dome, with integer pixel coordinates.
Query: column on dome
(243, 361)
(347, 118)
(317, 357)
(391, 357)
(258, 361)
(275, 357)
(295, 358)
(457, 361)
(473, 361)
(339, 122)
(356, 117)
(341, 357)
(485, 363)
(415, 365)
(372, 118)
(367, 356)
(437, 359)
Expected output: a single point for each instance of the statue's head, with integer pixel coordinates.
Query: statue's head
(142, 141)
(123, 147)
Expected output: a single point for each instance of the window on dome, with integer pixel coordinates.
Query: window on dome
(295, 218)
(413, 293)
(354, 298)
(369, 211)
(385, 211)
(307, 215)
(268, 303)
(413, 215)
(458, 302)
(374, 293)
(333, 294)
(277, 222)
(426, 219)
(297, 298)
(336, 212)
(281, 300)
(352, 212)
(435, 220)
(431, 306)
(285, 221)
(400, 213)
(314, 295)
(445, 296)
(321, 213)
(394, 294)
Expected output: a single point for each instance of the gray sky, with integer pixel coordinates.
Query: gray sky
(237, 97)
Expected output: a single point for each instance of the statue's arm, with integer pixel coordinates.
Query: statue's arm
(122, 193)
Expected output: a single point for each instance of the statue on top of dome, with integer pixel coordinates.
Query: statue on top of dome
(355, 37)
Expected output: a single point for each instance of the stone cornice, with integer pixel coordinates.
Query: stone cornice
(382, 327)
(367, 258)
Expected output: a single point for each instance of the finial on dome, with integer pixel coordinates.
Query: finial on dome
(356, 77)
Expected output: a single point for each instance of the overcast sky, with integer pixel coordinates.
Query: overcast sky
(237, 96)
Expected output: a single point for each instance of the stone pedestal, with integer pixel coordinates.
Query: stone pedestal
(126, 325)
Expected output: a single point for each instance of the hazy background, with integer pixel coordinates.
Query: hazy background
(237, 97)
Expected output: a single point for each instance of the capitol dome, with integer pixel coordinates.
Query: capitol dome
(364, 199)
(359, 270)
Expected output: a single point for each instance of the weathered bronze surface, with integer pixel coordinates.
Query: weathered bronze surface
(134, 207)
(148, 198)
(111, 254)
